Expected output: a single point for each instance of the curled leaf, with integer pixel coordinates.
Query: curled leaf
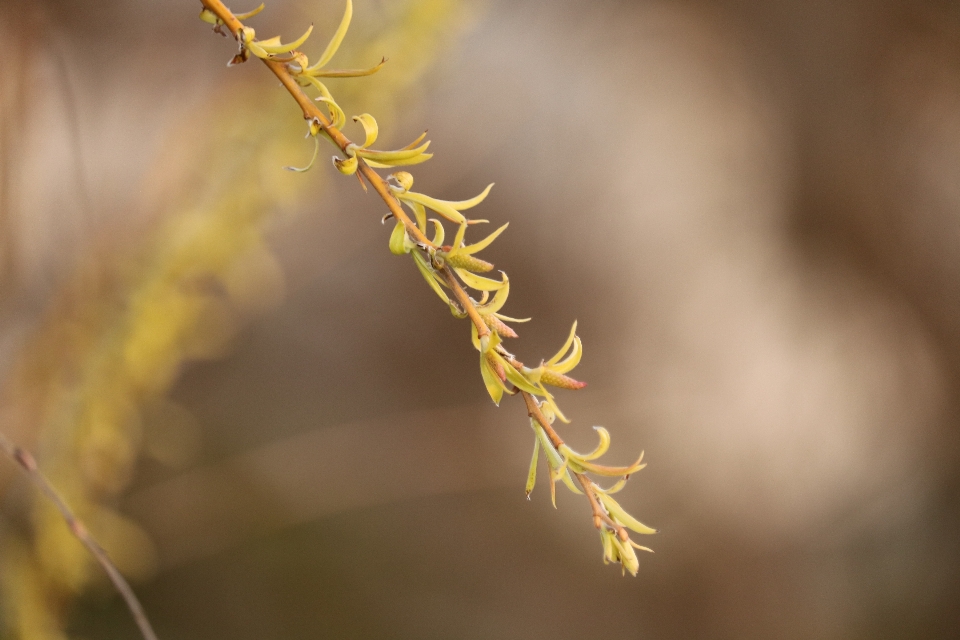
(316, 150)
(438, 231)
(250, 14)
(273, 46)
(347, 166)
(596, 453)
(370, 128)
(403, 179)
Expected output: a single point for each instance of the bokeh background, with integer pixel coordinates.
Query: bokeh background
(752, 207)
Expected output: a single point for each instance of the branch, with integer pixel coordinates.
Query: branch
(608, 517)
(28, 465)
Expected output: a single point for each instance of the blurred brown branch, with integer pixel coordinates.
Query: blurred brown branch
(28, 464)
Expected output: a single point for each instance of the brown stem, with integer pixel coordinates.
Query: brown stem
(311, 111)
(28, 465)
(600, 515)
(465, 301)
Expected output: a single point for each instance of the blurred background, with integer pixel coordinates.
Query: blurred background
(751, 207)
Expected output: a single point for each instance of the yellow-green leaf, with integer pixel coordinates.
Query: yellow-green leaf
(370, 128)
(397, 244)
(532, 474)
(499, 298)
(567, 365)
(596, 453)
(458, 239)
(429, 276)
(347, 73)
(250, 14)
(285, 48)
(347, 166)
(565, 347)
(483, 244)
(337, 38)
(393, 157)
(621, 516)
(478, 282)
(491, 380)
(472, 202)
(316, 150)
(438, 231)
(517, 378)
(423, 157)
(440, 207)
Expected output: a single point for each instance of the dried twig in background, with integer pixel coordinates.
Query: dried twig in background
(28, 464)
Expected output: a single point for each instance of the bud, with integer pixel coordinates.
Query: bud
(403, 178)
(498, 326)
(559, 380)
(466, 261)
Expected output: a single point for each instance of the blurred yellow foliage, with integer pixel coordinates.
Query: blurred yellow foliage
(93, 378)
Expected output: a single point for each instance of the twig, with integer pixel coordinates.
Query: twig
(600, 516)
(28, 465)
(311, 112)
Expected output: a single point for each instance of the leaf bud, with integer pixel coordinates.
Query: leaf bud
(403, 178)
(559, 380)
(498, 326)
(466, 261)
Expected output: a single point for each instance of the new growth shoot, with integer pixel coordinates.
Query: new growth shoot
(453, 271)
